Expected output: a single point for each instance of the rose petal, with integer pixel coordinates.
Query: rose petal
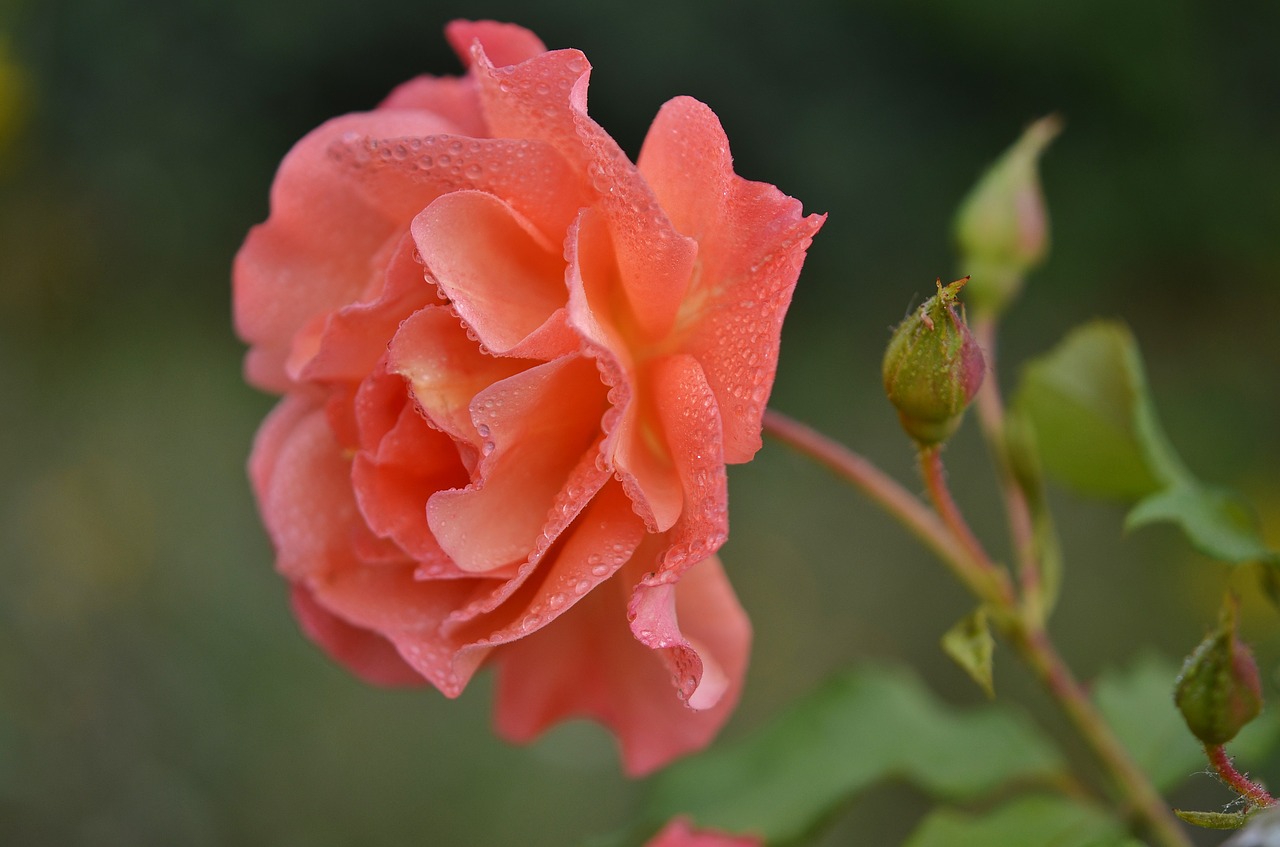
(596, 545)
(321, 248)
(393, 603)
(692, 432)
(403, 174)
(392, 485)
(585, 480)
(366, 654)
(506, 44)
(505, 280)
(272, 436)
(446, 370)
(536, 426)
(354, 338)
(751, 242)
(545, 98)
(642, 464)
(306, 499)
(587, 664)
(452, 98)
(680, 833)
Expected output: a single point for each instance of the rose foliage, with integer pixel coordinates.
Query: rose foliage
(514, 366)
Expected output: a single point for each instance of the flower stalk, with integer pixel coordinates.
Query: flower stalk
(1254, 793)
(945, 536)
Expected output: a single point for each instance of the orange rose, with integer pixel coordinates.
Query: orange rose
(514, 365)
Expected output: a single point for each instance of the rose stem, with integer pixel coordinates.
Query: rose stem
(991, 419)
(989, 583)
(983, 580)
(1236, 781)
(935, 481)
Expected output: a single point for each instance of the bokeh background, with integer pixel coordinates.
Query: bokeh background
(153, 686)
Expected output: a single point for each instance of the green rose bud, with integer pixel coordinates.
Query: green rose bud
(1218, 690)
(1002, 228)
(933, 367)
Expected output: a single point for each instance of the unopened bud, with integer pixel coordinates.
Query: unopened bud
(933, 367)
(1002, 228)
(1218, 691)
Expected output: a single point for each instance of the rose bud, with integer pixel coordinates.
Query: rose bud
(933, 367)
(1002, 228)
(1218, 690)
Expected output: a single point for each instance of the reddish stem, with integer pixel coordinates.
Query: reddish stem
(1236, 781)
(935, 480)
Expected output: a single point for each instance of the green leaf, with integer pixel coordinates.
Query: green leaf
(970, 644)
(862, 727)
(1088, 403)
(1138, 704)
(1214, 820)
(1217, 522)
(1031, 821)
(1087, 400)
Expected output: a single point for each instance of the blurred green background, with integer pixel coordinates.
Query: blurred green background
(153, 686)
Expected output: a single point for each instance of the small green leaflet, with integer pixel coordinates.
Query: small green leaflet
(970, 644)
(1097, 431)
(1214, 820)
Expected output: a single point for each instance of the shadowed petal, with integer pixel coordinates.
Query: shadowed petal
(599, 542)
(446, 370)
(452, 98)
(536, 425)
(366, 654)
(406, 611)
(324, 245)
(587, 664)
(305, 495)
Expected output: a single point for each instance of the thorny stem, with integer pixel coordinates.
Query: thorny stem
(991, 418)
(1236, 781)
(1027, 635)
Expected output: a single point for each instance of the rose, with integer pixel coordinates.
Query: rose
(514, 366)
